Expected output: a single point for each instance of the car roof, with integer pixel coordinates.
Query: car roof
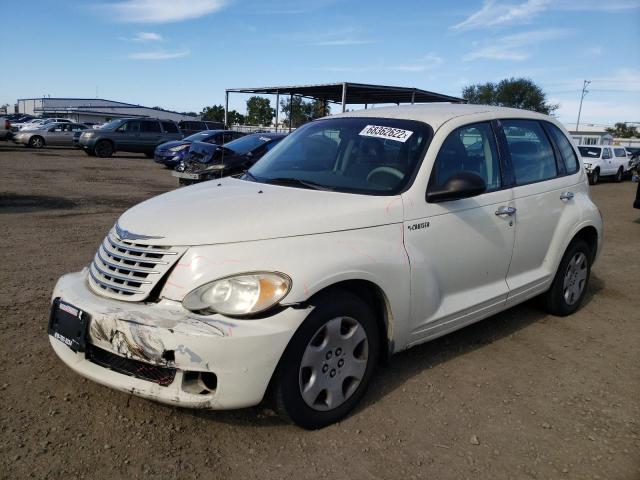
(436, 114)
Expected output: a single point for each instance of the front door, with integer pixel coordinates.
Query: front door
(460, 250)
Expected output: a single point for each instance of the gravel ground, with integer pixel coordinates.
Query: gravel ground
(519, 395)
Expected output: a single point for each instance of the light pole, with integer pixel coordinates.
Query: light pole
(584, 94)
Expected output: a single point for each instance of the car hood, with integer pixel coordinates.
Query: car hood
(171, 144)
(231, 210)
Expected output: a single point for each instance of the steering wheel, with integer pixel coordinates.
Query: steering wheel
(394, 172)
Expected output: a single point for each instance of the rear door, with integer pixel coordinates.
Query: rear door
(150, 135)
(543, 198)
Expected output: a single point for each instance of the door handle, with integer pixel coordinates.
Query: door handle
(566, 196)
(505, 211)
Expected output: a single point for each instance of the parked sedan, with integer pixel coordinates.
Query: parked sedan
(57, 134)
(170, 154)
(206, 161)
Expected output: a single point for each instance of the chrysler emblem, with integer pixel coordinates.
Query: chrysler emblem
(127, 235)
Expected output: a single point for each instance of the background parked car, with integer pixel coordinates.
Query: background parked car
(57, 134)
(170, 154)
(129, 135)
(189, 127)
(5, 128)
(32, 125)
(206, 161)
(602, 161)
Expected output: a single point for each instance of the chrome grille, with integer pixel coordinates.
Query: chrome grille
(128, 270)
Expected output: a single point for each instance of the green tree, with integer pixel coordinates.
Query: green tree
(259, 111)
(622, 130)
(511, 92)
(303, 111)
(235, 118)
(214, 113)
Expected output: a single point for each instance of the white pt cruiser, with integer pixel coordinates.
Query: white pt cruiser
(358, 236)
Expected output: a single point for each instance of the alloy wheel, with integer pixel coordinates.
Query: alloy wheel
(575, 278)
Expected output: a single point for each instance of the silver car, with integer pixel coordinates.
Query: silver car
(57, 134)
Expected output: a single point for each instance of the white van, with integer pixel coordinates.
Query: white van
(604, 161)
(358, 236)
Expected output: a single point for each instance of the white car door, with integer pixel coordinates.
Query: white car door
(544, 200)
(608, 162)
(460, 250)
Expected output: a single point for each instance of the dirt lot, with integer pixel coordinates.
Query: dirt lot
(519, 395)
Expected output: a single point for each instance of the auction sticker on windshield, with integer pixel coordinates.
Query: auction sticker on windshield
(388, 133)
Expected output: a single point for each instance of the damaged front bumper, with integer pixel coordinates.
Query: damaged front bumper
(215, 362)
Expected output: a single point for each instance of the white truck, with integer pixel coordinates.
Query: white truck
(604, 161)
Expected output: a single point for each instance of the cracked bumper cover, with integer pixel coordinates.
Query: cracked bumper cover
(243, 354)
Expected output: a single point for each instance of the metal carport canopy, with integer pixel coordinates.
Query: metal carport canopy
(350, 93)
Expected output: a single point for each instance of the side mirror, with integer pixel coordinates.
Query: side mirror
(460, 185)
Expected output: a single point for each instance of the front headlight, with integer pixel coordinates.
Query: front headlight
(87, 134)
(238, 295)
(178, 148)
(587, 165)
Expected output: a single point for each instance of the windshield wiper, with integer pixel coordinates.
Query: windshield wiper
(299, 182)
(248, 176)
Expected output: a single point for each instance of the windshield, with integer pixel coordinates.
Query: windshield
(590, 152)
(376, 156)
(199, 137)
(247, 144)
(112, 125)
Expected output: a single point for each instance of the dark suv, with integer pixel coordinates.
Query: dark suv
(189, 127)
(129, 135)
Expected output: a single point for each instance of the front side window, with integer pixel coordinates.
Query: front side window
(606, 154)
(470, 148)
(566, 149)
(531, 153)
(130, 127)
(377, 156)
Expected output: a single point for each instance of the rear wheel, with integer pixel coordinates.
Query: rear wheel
(329, 362)
(36, 142)
(595, 177)
(104, 149)
(618, 177)
(570, 283)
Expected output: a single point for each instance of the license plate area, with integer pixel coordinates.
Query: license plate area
(69, 324)
(189, 176)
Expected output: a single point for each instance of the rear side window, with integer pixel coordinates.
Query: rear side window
(151, 127)
(566, 149)
(470, 148)
(620, 152)
(170, 127)
(531, 153)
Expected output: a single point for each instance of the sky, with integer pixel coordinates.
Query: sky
(182, 54)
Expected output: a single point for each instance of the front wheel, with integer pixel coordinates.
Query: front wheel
(36, 142)
(570, 283)
(104, 149)
(618, 177)
(327, 366)
(595, 177)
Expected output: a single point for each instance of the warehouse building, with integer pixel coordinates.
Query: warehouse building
(93, 110)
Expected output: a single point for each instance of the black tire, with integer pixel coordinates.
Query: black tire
(619, 174)
(36, 142)
(556, 297)
(594, 177)
(148, 155)
(104, 149)
(329, 307)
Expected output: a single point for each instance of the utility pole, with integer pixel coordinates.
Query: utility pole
(584, 94)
